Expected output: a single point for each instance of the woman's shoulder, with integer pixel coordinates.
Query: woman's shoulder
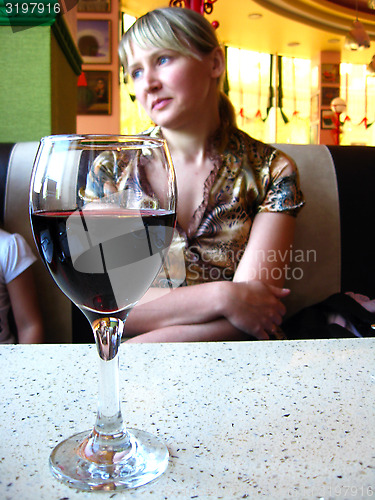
(14, 245)
(260, 153)
(6, 241)
(4, 235)
(251, 151)
(15, 255)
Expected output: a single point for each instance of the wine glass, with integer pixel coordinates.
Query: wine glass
(103, 211)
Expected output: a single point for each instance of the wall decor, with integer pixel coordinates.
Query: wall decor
(329, 93)
(94, 6)
(94, 93)
(94, 40)
(330, 73)
(328, 119)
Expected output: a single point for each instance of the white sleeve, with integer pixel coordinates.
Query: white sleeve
(18, 257)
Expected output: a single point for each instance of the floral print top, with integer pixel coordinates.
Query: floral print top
(248, 177)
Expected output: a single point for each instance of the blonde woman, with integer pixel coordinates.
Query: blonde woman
(237, 197)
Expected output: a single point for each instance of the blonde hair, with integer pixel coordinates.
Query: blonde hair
(182, 30)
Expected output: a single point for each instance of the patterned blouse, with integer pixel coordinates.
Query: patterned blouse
(249, 177)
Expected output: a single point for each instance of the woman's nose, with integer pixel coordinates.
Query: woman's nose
(152, 82)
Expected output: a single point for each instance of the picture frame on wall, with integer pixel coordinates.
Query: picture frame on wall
(327, 119)
(329, 93)
(330, 73)
(94, 93)
(94, 40)
(94, 6)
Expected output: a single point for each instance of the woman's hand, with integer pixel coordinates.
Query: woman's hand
(253, 307)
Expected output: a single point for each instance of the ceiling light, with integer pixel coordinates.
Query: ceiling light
(255, 15)
(357, 38)
(294, 44)
(334, 40)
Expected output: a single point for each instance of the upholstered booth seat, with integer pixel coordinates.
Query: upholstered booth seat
(333, 249)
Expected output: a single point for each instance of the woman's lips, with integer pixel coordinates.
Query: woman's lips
(160, 103)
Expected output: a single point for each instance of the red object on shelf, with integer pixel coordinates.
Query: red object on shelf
(82, 82)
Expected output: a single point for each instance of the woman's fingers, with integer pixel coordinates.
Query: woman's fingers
(279, 292)
(256, 308)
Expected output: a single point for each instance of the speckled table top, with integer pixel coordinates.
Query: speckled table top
(273, 420)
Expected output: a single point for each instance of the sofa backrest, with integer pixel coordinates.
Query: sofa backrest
(334, 229)
(314, 272)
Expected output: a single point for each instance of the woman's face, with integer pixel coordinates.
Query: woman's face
(175, 90)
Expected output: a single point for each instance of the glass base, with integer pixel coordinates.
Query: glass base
(147, 461)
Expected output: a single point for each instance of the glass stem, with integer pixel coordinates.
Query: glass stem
(109, 441)
(109, 420)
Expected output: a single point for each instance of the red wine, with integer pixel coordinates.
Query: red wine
(103, 260)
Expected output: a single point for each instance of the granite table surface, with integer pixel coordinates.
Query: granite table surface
(276, 420)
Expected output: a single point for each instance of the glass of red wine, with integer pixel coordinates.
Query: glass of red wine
(103, 211)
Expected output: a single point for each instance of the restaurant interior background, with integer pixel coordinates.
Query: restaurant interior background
(286, 61)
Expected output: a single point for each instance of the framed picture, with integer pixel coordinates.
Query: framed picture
(94, 93)
(328, 119)
(94, 40)
(329, 93)
(330, 73)
(94, 6)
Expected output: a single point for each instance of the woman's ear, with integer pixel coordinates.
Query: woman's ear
(217, 62)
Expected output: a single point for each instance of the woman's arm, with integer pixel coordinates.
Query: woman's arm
(217, 330)
(248, 307)
(267, 254)
(25, 307)
(251, 304)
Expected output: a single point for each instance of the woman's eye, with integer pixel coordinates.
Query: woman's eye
(163, 59)
(136, 74)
